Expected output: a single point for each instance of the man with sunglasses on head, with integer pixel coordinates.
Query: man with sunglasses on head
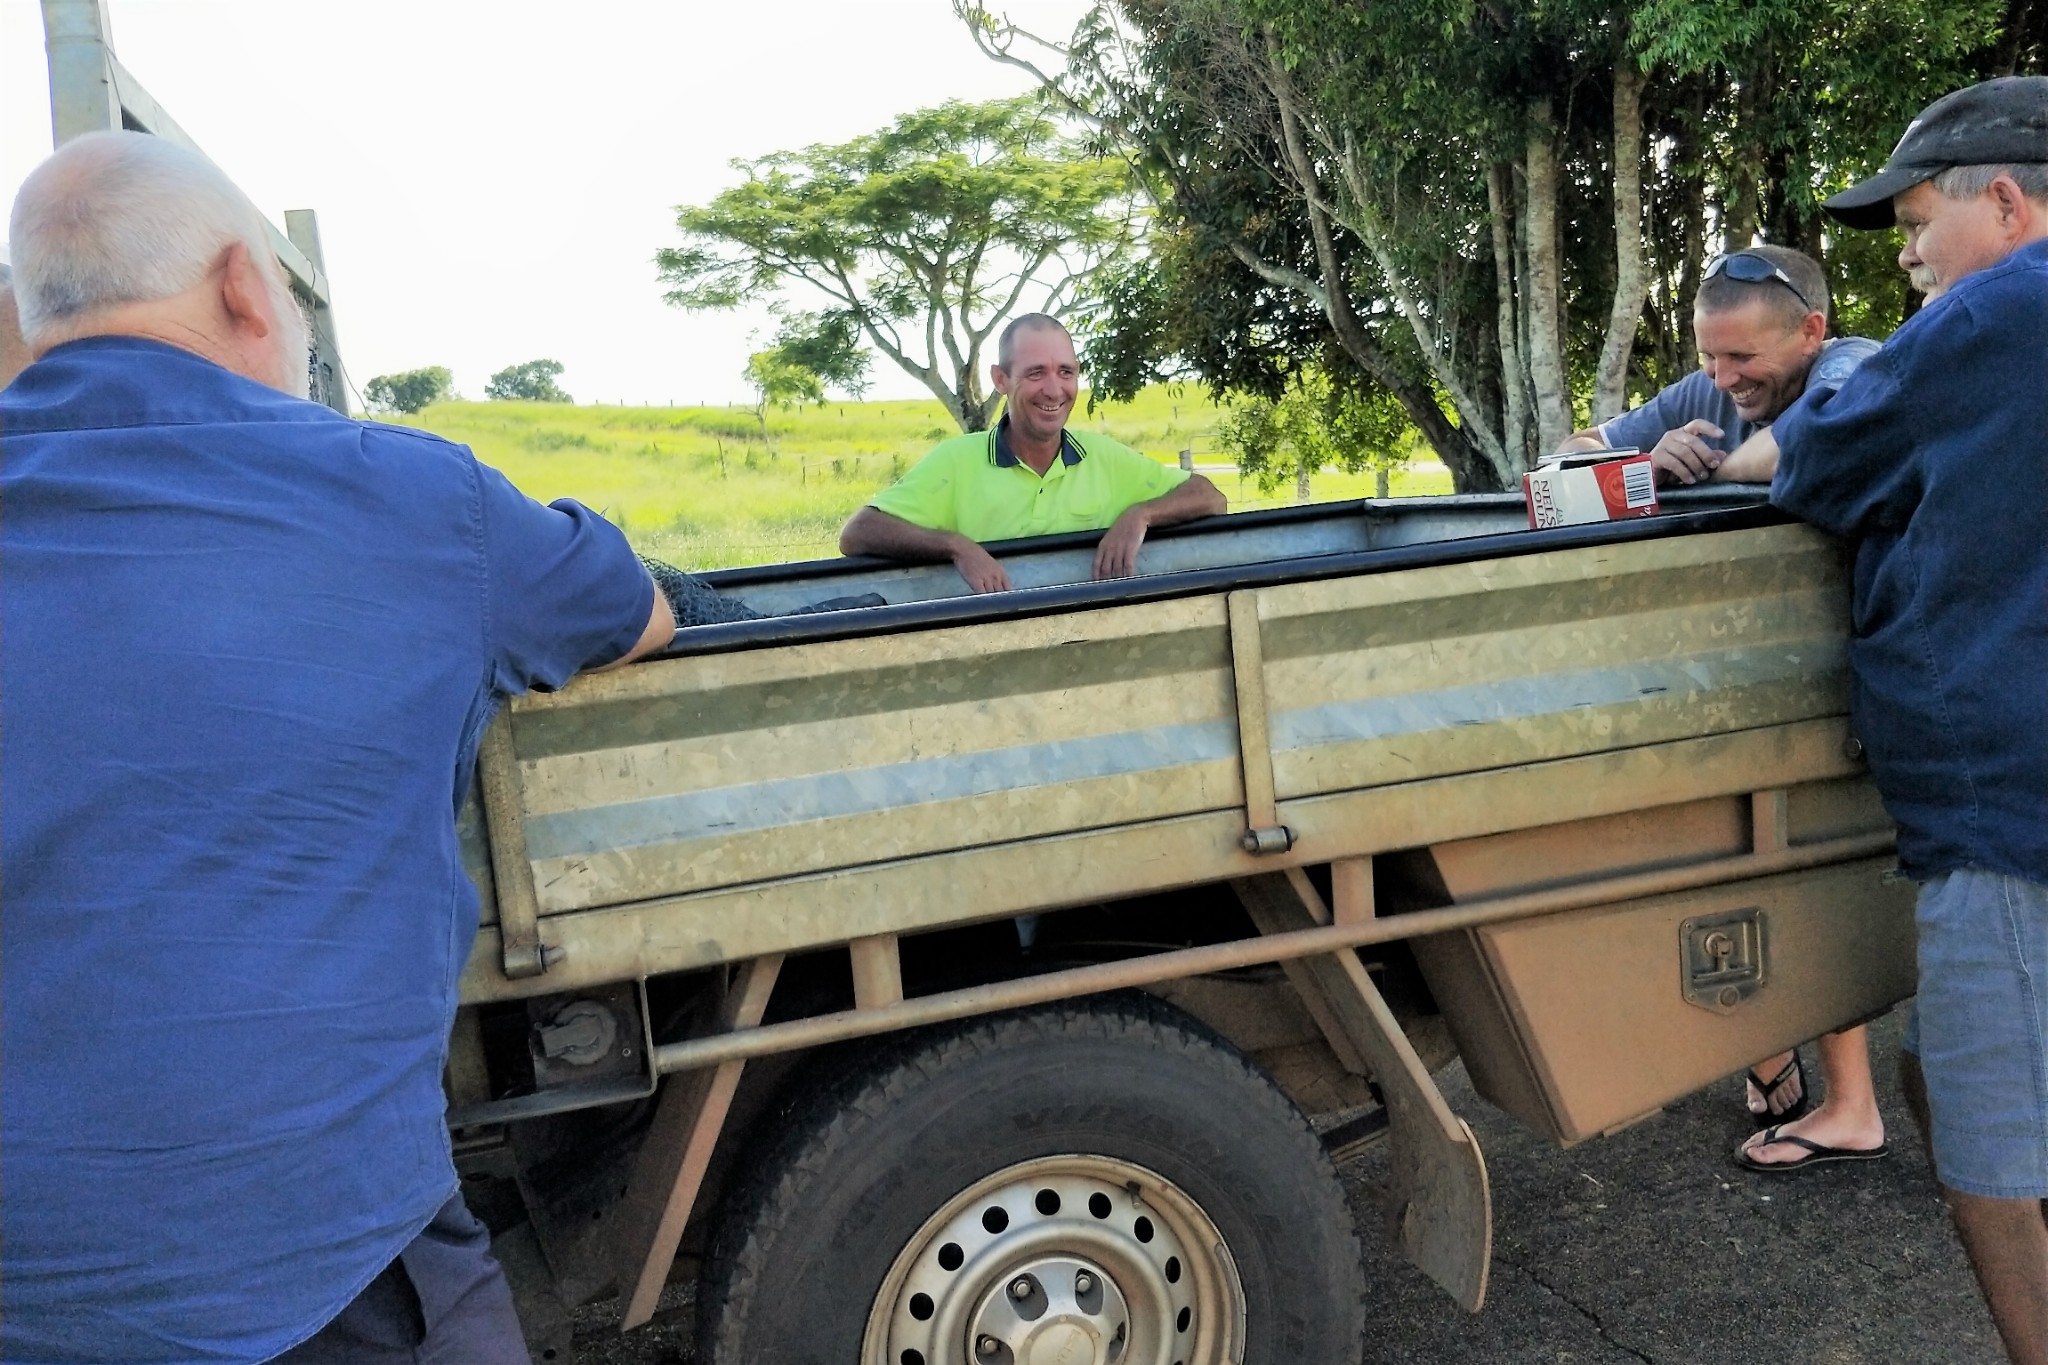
(1761, 320)
(1929, 462)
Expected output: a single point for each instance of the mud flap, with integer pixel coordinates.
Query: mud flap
(669, 1170)
(1441, 1206)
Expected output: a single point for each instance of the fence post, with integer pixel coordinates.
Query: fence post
(1187, 458)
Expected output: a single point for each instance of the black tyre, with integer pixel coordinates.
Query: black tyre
(1103, 1181)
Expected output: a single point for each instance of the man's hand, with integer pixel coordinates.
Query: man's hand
(871, 531)
(1588, 439)
(979, 567)
(1684, 457)
(1116, 555)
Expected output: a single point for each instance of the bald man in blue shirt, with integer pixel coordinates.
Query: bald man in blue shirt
(251, 646)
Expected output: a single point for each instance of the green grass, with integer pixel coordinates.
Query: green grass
(698, 488)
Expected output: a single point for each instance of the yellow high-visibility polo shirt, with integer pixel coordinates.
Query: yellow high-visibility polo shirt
(973, 485)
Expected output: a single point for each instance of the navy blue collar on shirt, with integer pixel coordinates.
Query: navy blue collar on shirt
(1000, 456)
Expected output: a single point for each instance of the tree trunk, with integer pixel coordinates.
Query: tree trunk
(1544, 291)
(1471, 472)
(1692, 248)
(1471, 451)
(2022, 40)
(1610, 384)
(973, 410)
(1500, 203)
(1740, 206)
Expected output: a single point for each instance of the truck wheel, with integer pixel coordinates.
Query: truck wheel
(1103, 1182)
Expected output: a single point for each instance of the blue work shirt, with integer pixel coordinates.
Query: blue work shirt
(1695, 396)
(249, 648)
(1933, 461)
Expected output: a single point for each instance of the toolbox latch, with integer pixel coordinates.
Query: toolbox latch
(1721, 958)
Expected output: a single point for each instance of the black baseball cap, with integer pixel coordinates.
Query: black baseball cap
(1995, 123)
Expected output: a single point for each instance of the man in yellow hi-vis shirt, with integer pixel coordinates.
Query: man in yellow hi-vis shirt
(1027, 476)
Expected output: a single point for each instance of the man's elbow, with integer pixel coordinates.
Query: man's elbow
(655, 635)
(1192, 498)
(853, 537)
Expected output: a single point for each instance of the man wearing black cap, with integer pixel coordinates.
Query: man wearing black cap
(1930, 462)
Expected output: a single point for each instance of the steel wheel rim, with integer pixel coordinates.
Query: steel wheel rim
(1162, 1272)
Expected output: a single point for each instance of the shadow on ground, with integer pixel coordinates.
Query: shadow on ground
(1652, 1246)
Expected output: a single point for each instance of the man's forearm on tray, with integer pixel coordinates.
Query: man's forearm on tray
(1191, 498)
(1754, 461)
(871, 531)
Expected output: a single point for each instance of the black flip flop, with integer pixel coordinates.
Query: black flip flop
(1815, 1153)
(1796, 1110)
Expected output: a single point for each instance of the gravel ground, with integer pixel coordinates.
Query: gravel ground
(1649, 1247)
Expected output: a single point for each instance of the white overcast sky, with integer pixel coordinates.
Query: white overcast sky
(493, 178)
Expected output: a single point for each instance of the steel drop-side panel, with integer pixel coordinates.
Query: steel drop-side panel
(717, 806)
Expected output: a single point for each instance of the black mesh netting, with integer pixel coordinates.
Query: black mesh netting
(697, 603)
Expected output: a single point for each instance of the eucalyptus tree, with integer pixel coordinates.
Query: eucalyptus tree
(1493, 213)
(918, 239)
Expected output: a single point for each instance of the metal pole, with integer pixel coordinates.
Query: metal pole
(77, 38)
(329, 386)
(1171, 966)
(91, 92)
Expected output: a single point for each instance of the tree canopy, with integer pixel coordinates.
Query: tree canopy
(532, 382)
(919, 239)
(1493, 214)
(409, 391)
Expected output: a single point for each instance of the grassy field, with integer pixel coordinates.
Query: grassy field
(697, 486)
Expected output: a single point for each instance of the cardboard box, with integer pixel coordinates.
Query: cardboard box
(1594, 485)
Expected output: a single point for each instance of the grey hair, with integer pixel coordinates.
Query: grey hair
(122, 217)
(1006, 344)
(1967, 182)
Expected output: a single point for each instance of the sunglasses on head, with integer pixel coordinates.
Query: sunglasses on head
(1751, 268)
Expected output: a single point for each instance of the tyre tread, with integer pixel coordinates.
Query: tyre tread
(817, 1130)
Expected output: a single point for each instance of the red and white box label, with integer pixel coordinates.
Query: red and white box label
(1573, 492)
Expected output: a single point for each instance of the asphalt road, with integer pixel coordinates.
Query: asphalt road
(1650, 1246)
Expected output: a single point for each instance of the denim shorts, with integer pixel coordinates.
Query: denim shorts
(1980, 1028)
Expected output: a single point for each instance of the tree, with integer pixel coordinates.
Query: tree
(1312, 426)
(921, 238)
(779, 384)
(1496, 214)
(809, 354)
(825, 346)
(411, 390)
(533, 382)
